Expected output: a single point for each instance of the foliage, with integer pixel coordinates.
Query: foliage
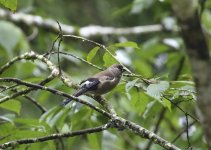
(159, 59)
(11, 4)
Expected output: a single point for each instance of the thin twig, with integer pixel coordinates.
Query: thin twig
(184, 130)
(23, 92)
(187, 131)
(196, 119)
(42, 108)
(101, 46)
(81, 59)
(60, 40)
(52, 47)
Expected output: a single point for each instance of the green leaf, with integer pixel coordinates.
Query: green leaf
(65, 128)
(59, 117)
(34, 78)
(167, 103)
(130, 85)
(139, 5)
(12, 105)
(149, 109)
(139, 100)
(17, 134)
(6, 129)
(92, 53)
(152, 48)
(11, 4)
(81, 115)
(23, 73)
(55, 116)
(8, 118)
(49, 114)
(127, 44)
(10, 72)
(7, 40)
(108, 60)
(188, 88)
(143, 67)
(94, 140)
(183, 82)
(32, 123)
(121, 11)
(156, 90)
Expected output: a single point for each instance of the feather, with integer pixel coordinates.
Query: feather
(87, 85)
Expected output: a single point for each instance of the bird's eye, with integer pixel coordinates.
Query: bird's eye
(120, 67)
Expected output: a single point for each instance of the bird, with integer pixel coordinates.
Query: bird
(100, 83)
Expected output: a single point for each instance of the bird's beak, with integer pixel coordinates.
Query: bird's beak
(123, 70)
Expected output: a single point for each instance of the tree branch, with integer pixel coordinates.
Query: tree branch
(56, 92)
(23, 92)
(88, 31)
(144, 133)
(54, 136)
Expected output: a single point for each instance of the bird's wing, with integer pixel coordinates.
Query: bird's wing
(86, 85)
(90, 84)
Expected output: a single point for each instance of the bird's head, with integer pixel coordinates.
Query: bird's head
(117, 69)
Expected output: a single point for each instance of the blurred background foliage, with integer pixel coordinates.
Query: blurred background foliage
(159, 55)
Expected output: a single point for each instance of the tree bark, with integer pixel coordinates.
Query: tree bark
(195, 40)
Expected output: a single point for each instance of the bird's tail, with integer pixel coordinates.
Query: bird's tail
(66, 101)
(76, 94)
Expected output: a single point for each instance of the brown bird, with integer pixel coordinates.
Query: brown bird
(100, 83)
